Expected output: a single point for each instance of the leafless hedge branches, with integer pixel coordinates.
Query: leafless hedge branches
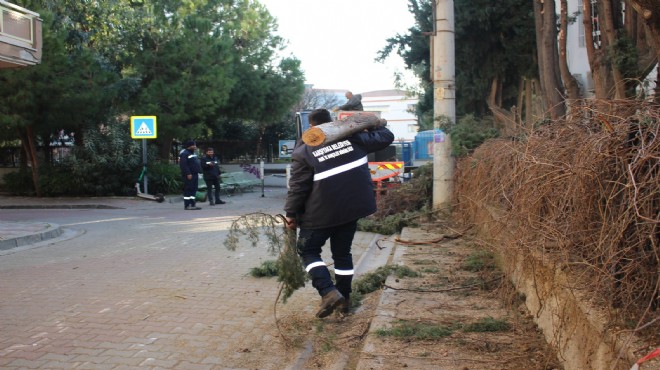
(587, 191)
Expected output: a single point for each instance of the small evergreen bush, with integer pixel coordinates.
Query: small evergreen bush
(19, 182)
(164, 178)
(468, 133)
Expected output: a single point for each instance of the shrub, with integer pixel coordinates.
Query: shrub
(468, 133)
(164, 178)
(19, 182)
(108, 163)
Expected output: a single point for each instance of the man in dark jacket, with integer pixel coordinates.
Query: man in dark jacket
(190, 170)
(354, 102)
(211, 168)
(329, 190)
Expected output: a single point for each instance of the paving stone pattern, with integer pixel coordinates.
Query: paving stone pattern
(145, 285)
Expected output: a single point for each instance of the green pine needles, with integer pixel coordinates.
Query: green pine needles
(280, 241)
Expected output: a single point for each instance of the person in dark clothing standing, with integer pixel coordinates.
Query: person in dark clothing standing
(354, 102)
(329, 190)
(190, 170)
(211, 168)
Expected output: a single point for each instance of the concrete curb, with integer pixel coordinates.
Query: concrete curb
(382, 316)
(50, 231)
(62, 206)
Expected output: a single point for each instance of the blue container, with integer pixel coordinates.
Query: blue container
(407, 154)
(424, 143)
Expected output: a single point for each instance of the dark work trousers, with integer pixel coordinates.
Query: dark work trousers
(309, 248)
(213, 187)
(190, 190)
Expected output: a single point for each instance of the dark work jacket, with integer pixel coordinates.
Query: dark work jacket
(211, 168)
(189, 163)
(331, 185)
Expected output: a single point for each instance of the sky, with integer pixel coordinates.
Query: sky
(338, 40)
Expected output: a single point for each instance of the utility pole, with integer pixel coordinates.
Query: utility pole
(444, 100)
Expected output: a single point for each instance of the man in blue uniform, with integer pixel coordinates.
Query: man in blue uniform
(211, 168)
(329, 190)
(190, 170)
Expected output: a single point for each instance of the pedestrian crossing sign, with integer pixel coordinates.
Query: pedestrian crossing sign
(143, 127)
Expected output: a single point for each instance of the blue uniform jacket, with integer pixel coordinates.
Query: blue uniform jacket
(189, 163)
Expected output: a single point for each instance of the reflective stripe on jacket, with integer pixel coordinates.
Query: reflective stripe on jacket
(189, 163)
(211, 168)
(331, 185)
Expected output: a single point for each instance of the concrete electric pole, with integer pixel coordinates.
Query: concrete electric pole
(444, 100)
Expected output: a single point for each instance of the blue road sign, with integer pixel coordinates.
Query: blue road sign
(143, 127)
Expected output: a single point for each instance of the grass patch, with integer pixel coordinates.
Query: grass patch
(375, 280)
(415, 330)
(389, 225)
(423, 262)
(355, 300)
(487, 324)
(267, 269)
(479, 261)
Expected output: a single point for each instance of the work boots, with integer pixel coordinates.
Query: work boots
(329, 302)
(345, 307)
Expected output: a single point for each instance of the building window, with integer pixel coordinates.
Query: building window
(594, 22)
(16, 25)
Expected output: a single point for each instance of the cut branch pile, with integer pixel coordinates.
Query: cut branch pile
(585, 190)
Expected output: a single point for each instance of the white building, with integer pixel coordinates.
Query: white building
(397, 108)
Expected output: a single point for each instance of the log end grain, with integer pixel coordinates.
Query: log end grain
(314, 136)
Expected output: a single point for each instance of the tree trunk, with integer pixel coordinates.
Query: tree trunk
(572, 88)
(27, 141)
(529, 103)
(594, 54)
(521, 101)
(334, 131)
(548, 57)
(165, 148)
(608, 27)
(649, 12)
(643, 37)
(505, 118)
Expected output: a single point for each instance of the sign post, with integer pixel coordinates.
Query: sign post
(261, 173)
(144, 127)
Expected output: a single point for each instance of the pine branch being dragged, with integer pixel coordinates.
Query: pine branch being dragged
(281, 242)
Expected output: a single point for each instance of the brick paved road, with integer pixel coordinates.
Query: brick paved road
(145, 286)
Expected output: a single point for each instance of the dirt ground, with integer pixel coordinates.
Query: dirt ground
(458, 313)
